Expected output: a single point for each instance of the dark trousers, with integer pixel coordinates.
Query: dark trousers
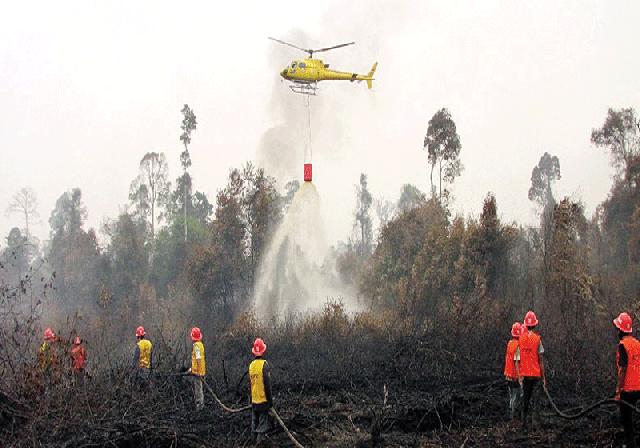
(530, 399)
(78, 378)
(260, 424)
(515, 396)
(626, 416)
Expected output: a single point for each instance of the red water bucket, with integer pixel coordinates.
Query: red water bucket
(307, 172)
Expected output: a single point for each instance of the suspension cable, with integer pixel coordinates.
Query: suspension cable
(309, 127)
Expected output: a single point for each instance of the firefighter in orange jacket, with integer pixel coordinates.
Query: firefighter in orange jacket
(260, 391)
(529, 362)
(628, 363)
(78, 361)
(511, 373)
(198, 366)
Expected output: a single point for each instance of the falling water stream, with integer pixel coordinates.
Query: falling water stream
(297, 272)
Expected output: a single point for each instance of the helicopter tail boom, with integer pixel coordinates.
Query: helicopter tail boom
(370, 76)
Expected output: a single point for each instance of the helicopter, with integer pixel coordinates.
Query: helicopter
(306, 74)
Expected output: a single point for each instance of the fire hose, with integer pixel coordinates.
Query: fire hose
(588, 409)
(272, 411)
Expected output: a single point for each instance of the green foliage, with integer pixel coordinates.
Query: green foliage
(16, 254)
(290, 189)
(150, 189)
(74, 253)
(198, 206)
(423, 261)
(215, 269)
(189, 124)
(221, 270)
(68, 215)
(410, 198)
(400, 242)
(488, 246)
(262, 210)
(127, 254)
(442, 144)
(620, 135)
(362, 224)
(616, 224)
(543, 175)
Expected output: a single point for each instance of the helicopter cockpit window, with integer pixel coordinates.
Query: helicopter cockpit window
(293, 65)
(302, 65)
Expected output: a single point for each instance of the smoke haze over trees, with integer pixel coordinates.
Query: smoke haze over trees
(426, 253)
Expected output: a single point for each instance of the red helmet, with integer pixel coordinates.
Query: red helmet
(259, 347)
(77, 341)
(516, 330)
(49, 335)
(140, 331)
(196, 334)
(623, 323)
(530, 319)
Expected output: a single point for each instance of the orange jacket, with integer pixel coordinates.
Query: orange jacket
(509, 363)
(632, 377)
(78, 358)
(529, 361)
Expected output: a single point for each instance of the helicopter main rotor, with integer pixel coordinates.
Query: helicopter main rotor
(310, 51)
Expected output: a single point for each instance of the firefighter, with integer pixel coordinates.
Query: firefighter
(628, 363)
(511, 371)
(78, 361)
(142, 357)
(48, 358)
(260, 391)
(198, 366)
(530, 365)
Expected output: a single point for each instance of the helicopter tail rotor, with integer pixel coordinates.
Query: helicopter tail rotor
(370, 75)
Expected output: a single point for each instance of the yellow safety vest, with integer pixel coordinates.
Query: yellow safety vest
(45, 355)
(198, 366)
(145, 347)
(258, 394)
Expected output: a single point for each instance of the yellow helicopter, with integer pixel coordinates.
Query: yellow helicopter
(305, 75)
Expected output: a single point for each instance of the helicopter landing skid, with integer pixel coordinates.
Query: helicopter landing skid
(305, 89)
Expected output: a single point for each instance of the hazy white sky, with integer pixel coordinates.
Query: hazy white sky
(86, 88)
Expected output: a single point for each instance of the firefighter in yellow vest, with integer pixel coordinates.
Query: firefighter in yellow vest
(48, 358)
(142, 357)
(198, 366)
(260, 391)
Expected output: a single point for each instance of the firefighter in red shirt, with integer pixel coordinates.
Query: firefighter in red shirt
(511, 373)
(628, 363)
(78, 361)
